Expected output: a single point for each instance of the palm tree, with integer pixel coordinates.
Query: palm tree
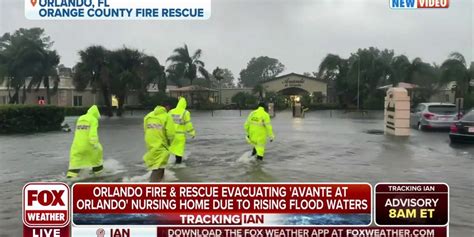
(218, 74)
(152, 72)
(174, 73)
(260, 90)
(334, 69)
(125, 66)
(426, 77)
(187, 65)
(47, 73)
(92, 71)
(400, 66)
(22, 54)
(456, 69)
(331, 67)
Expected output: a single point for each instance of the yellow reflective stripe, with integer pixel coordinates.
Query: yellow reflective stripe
(72, 174)
(154, 126)
(98, 172)
(178, 118)
(182, 118)
(257, 123)
(82, 127)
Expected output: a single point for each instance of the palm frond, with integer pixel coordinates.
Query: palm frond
(197, 55)
(458, 56)
(199, 63)
(204, 73)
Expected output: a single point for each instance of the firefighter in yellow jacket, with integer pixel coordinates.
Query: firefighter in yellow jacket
(258, 128)
(183, 126)
(86, 150)
(159, 134)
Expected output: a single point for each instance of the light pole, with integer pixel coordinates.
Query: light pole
(358, 85)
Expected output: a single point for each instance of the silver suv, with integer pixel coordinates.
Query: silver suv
(433, 115)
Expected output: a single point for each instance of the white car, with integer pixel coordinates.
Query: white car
(433, 116)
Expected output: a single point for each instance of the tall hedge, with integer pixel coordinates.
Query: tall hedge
(30, 118)
(75, 111)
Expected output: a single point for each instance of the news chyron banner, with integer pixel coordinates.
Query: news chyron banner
(236, 209)
(117, 9)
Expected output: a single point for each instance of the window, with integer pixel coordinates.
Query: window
(442, 109)
(41, 100)
(420, 108)
(5, 99)
(77, 100)
(469, 116)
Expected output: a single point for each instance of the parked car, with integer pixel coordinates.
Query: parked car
(463, 130)
(433, 116)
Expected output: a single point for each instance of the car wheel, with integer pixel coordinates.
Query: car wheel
(420, 127)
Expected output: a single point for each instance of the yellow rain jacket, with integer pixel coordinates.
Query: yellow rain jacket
(183, 126)
(86, 151)
(258, 127)
(159, 133)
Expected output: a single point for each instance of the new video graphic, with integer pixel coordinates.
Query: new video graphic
(238, 118)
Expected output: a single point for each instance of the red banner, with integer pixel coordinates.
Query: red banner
(306, 198)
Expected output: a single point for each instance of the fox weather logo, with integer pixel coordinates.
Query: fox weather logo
(418, 4)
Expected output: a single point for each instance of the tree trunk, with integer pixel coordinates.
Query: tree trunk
(121, 100)
(24, 95)
(220, 93)
(108, 104)
(11, 98)
(48, 96)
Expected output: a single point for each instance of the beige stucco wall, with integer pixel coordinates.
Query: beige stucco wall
(65, 94)
(295, 81)
(443, 96)
(228, 93)
(63, 97)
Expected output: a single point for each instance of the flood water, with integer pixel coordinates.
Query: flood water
(323, 147)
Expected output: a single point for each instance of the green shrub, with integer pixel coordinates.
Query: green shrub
(374, 101)
(277, 99)
(306, 100)
(78, 111)
(30, 118)
(160, 98)
(469, 102)
(75, 111)
(244, 100)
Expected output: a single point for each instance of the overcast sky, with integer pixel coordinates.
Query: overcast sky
(297, 32)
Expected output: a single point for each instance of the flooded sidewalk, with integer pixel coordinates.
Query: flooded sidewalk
(323, 147)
